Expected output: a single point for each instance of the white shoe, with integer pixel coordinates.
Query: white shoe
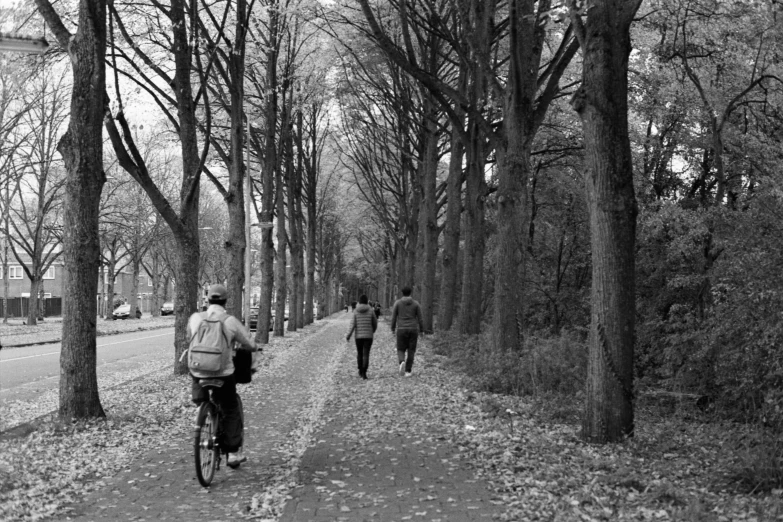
(402, 368)
(235, 459)
(408, 374)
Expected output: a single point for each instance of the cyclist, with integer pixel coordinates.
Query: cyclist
(226, 395)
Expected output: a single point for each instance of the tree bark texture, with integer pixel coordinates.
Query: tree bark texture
(602, 104)
(281, 258)
(429, 209)
(235, 199)
(475, 242)
(292, 172)
(451, 233)
(268, 184)
(82, 150)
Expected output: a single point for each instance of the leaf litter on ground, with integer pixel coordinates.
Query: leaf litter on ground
(538, 469)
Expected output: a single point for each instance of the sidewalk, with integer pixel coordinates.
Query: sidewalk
(161, 484)
(383, 455)
(322, 444)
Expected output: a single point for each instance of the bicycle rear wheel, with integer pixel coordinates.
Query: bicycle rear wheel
(205, 449)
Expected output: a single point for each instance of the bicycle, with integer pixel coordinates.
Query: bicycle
(208, 433)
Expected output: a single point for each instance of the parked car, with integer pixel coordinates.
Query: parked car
(253, 323)
(167, 308)
(121, 312)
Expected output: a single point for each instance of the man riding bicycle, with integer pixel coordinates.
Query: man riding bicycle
(226, 395)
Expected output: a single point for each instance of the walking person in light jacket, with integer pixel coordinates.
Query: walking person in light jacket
(364, 323)
(406, 321)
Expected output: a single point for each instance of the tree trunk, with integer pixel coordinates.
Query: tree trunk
(110, 287)
(602, 104)
(429, 209)
(281, 286)
(473, 266)
(312, 215)
(235, 243)
(134, 293)
(186, 293)
(294, 308)
(156, 301)
(82, 151)
(451, 234)
(32, 308)
(268, 184)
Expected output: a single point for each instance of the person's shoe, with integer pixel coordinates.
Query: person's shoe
(364, 376)
(235, 459)
(402, 368)
(408, 374)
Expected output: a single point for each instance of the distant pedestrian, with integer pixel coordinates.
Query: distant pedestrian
(353, 305)
(364, 323)
(407, 323)
(377, 309)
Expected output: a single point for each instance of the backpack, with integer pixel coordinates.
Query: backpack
(209, 353)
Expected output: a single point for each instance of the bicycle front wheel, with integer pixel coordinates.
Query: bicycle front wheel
(205, 448)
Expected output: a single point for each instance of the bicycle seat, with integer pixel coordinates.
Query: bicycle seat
(214, 383)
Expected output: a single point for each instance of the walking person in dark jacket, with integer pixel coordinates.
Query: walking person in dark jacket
(364, 323)
(406, 321)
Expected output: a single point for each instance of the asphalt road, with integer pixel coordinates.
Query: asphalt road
(29, 371)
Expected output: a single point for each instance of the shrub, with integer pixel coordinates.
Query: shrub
(759, 467)
(545, 366)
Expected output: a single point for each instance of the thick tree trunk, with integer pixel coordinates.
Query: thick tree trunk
(32, 306)
(235, 243)
(133, 299)
(294, 308)
(268, 185)
(156, 302)
(281, 287)
(311, 242)
(186, 294)
(451, 234)
(82, 151)
(110, 287)
(473, 266)
(188, 238)
(510, 257)
(429, 210)
(310, 283)
(602, 104)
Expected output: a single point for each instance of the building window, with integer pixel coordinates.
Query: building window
(49, 274)
(15, 272)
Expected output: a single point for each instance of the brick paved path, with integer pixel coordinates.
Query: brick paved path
(377, 454)
(162, 484)
(381, 456)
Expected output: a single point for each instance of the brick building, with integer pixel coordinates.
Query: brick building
(52, 284)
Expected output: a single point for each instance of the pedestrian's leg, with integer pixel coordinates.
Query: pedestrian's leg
(359, 355)
(232, 415)
(401, 351)
(366, 356)
(412, 341)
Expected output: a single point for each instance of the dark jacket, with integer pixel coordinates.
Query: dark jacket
(364, 322)
(406, 315)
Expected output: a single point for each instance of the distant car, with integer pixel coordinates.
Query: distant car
(167, 308)
(253, 323)
(121, 312)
